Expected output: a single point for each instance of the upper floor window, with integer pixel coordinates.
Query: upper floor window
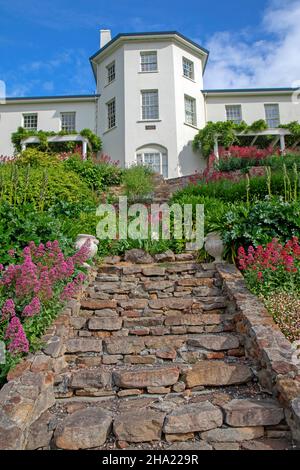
(111, 72)
(150, 109)
(30, 121)
(272, 115)
(149, 61)
(188, 68)
(111, 114)
(234, 113)
(68, 121)
(190, 110)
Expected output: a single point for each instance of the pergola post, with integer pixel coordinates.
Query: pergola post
(84, 149)
(216, 148)
(282, 144)
(23, 146)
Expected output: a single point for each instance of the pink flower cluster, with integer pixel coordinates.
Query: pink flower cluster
(15, 334)
(273, 257)
(251, 152)
(43, 273)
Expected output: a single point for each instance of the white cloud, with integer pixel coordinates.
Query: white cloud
(237, 60)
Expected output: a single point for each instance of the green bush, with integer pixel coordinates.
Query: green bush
(43, 187)
(260, 222)
(230, 191)
(138, 182)
(20, 225)
(35, 158)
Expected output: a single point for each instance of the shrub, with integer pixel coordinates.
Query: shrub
(40, 186)
(20, 225)
(258, 223)
(233, 191)
(138, 182)
(35, 158)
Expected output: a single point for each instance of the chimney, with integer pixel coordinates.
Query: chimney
(105, 37)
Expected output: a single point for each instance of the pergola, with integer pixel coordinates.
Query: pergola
(58, 139)
(278, 133)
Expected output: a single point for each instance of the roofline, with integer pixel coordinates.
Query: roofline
(250, 90)
(53, 98)
(149, 33)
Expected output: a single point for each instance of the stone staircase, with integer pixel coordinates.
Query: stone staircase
(154, 362)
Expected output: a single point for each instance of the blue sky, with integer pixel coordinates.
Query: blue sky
(45, 45)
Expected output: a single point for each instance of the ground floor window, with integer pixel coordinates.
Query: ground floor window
(155, 158)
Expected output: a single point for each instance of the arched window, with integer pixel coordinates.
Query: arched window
(155, 156)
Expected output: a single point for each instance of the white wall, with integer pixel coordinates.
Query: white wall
(11, 117)
(252, 107)
(113, 139)
(188, 160)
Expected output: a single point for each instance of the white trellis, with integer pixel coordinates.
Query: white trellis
(58, 139)
(279, 136)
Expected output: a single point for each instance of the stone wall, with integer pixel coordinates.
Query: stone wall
(278, 371)
(29, 391)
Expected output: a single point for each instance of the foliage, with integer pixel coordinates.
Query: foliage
(33, 287)
(40, 186)
(138, 182)
(94, 140)
(44, 145)
(35, 158)
(285, 310)
(275, 267)
(21, 224)
(226, 133)
(97, 174)
(259, 222)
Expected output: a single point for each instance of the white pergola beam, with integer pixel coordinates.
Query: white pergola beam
(58, 139)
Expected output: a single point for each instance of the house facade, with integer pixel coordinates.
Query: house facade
(149, 103)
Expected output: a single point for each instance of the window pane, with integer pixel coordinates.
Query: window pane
(150, 105)
(111, 114)
(68, 122)
(188, 68)
(153, 160)
(148, 61)
(157, 161)
(190, 110)
(272, 115)
(234, 113)
(30, 121)
(111, 72)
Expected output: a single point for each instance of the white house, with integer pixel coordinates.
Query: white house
(149, 103)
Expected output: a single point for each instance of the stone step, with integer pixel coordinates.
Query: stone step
(176, 423)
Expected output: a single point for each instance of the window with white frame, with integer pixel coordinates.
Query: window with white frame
(188, 68)
(68, 121)
(234, 113)
(157, 160)
(150, 108)
(149, 61)
(272, 115)
(190, 110)
(111, 114)
(30, 121)
(111, 72)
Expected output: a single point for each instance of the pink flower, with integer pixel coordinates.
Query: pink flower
(33, 308)
(17, 337)
(8, 309)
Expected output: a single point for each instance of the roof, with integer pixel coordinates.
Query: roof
(145, 34)
(249, 90)
(52, 98)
